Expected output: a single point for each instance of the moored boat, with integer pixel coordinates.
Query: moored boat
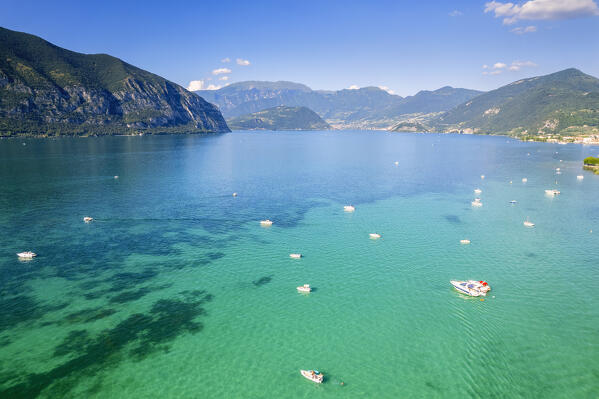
(580, 177)
(313, 375)
(27, 255)
(349, 208)
(471, 287)
(552, 192)
(528, 223)
(464, 241)
(524, 180)
(374, 236)
(477, 191)
(266, 222)
(87, 219)
(304, 288)
(295, 256)
(477, 202)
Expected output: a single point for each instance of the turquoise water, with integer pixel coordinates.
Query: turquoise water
(176, 291)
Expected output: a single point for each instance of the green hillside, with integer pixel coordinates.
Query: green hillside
(47, 90)
(280, 118)
(565, 102)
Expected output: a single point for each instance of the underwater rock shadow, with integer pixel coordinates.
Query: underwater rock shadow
(136, 337)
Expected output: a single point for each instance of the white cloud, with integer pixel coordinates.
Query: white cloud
(201, 85)
(224, 78)
(225, 60)
(242, 62)
(353, 87)
(521, 30)
(195, 85)
(220, 71)
(542, 10)
(455, 13)
(388, 90)
(499, 67)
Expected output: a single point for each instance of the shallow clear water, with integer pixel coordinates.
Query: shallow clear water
(175, 290)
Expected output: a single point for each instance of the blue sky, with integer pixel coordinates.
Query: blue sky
(405, 46)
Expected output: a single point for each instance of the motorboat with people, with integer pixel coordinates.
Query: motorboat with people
(87, 219)
(349, 208)
(313, 375)
(552, 193)
(295, 256)
(471, 287)
(304, 288)
(27, 255)
(266, 222)
(374, 236)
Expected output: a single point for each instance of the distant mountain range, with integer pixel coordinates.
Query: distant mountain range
(279, 118)
(47, 90)
(368, 107)
(565, 102)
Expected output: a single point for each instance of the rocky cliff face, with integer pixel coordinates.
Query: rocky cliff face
(45, 89)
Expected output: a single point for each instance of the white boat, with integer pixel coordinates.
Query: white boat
(552, 192)
(87, 219)
(396, 162)
(116, 177)
(477, 191)
(266, 222)
(482, 176)
(524, 180)
(477, 202)
(27, 255)
(374, 236)
(349, 208)
(580, 177)
(295, 256)
(513, 202)
(528, 223)
(464, 241)
(304, 288)
(557, 169)
(313, 375)
(471, 287)
(234, 194)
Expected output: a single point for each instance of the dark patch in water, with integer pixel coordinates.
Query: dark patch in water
(138, 336)
(432, 386)
(89, 315)
(121, 281)
(129, 296)
(454, 219)
(262, 280)
(531, 254)
(23, 308)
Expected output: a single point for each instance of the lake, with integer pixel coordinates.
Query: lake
(175, 290)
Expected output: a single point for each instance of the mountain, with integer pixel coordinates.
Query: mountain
(280, 118)
(368, 107)
(564, 102)
(46, 90)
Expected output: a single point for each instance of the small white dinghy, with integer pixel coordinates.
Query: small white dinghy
(580, 177)
(266, 222)
(477, 202)
(552, 193)
(471, 287)
(477, 191)
(482, 176)
(87, 219)
(295, 256)
(464, 242)
(304, 288)
(374, 236)
(349, 208)
(528, 223)
(524, 180)
(234, 194)
(27, 255)
(313, 375)
(396, 162)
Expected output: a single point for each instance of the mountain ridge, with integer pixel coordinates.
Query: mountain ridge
(46, 90)
(280, 118)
